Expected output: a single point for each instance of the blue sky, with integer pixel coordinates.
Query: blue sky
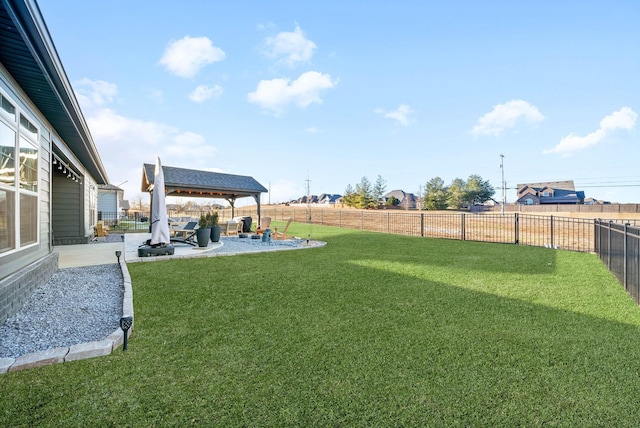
(335, 91)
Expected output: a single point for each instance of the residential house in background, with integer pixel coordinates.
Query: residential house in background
(408, 201)
(328, 199)
(110, 201)
(50, 168)
(552, 192)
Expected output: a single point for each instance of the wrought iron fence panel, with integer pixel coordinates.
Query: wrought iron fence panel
(618, 247)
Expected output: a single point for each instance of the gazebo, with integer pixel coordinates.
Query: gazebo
(204, 184)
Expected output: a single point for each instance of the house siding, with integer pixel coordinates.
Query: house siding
(27, 50)
(25, 269)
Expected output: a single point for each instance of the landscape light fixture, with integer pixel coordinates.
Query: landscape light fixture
(118, 254)
(125, 325)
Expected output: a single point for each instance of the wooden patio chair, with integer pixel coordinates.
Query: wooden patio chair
(277, 234)
(265, 223)
(232, 228)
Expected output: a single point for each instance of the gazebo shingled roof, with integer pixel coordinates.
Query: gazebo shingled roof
(204, 184)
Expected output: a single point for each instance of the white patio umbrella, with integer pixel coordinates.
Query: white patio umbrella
(159, 224)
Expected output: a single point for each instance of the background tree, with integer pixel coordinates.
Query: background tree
(478, 190)
(140, 204)
(435, 194)
(349, 196)
(364, 194)
(457, 193)
(379, 189)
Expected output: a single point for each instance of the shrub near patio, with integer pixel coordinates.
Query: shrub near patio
(371, 330)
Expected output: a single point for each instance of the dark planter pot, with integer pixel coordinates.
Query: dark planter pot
(203, 235)
(215, 234)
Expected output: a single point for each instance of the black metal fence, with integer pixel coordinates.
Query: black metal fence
(567, 233)
(121, 222)
(618, 246)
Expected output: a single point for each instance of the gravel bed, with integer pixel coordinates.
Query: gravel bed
(76, 305)
(233, 244)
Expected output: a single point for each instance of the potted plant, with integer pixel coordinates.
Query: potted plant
(203, 232)
(212, 220)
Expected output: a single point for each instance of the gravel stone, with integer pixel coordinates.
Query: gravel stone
(77, 305)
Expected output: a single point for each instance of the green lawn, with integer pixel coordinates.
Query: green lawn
(371, 330)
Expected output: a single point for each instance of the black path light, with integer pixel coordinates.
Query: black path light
(118, 254)
(125, 325)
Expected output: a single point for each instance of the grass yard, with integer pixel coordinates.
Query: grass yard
(371, 330)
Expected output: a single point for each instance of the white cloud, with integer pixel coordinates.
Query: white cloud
(276, 94)
(126, 143)
(203, 92)
(401, 114)
(290, 47)
(185, 57)
(625, 118)
(94, 93)
(505, 116)
(311, 130)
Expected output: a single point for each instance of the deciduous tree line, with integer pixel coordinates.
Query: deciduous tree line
(436, 195)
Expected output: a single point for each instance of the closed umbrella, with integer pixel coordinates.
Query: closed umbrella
(159, 224)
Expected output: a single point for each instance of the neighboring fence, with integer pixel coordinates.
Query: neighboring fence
(618, 246)
(120, 222)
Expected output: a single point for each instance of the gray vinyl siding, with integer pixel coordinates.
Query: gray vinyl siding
(108, 202)
(67, 217)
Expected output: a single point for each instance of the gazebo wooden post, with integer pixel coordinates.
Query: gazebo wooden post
(257, 198)
(232, 202)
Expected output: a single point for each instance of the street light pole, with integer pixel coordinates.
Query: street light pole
(504, 200)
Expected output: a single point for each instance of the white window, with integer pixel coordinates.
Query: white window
(529, 201)
(18, 178)
(546, 193)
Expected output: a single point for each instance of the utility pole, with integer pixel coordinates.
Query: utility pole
(504, 198)
(308, 180)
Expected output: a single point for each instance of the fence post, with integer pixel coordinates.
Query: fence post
(388, 222)
(340, 218)
(361, 220)
(609, 246)
(625, 259)
(517, 228)
(551, 218)
(422, 224)
(462, 227)
(596, 237)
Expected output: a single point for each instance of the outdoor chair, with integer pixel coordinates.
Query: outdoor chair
(277, 234)
(265, 223)
(185, 235)
(233, 228)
